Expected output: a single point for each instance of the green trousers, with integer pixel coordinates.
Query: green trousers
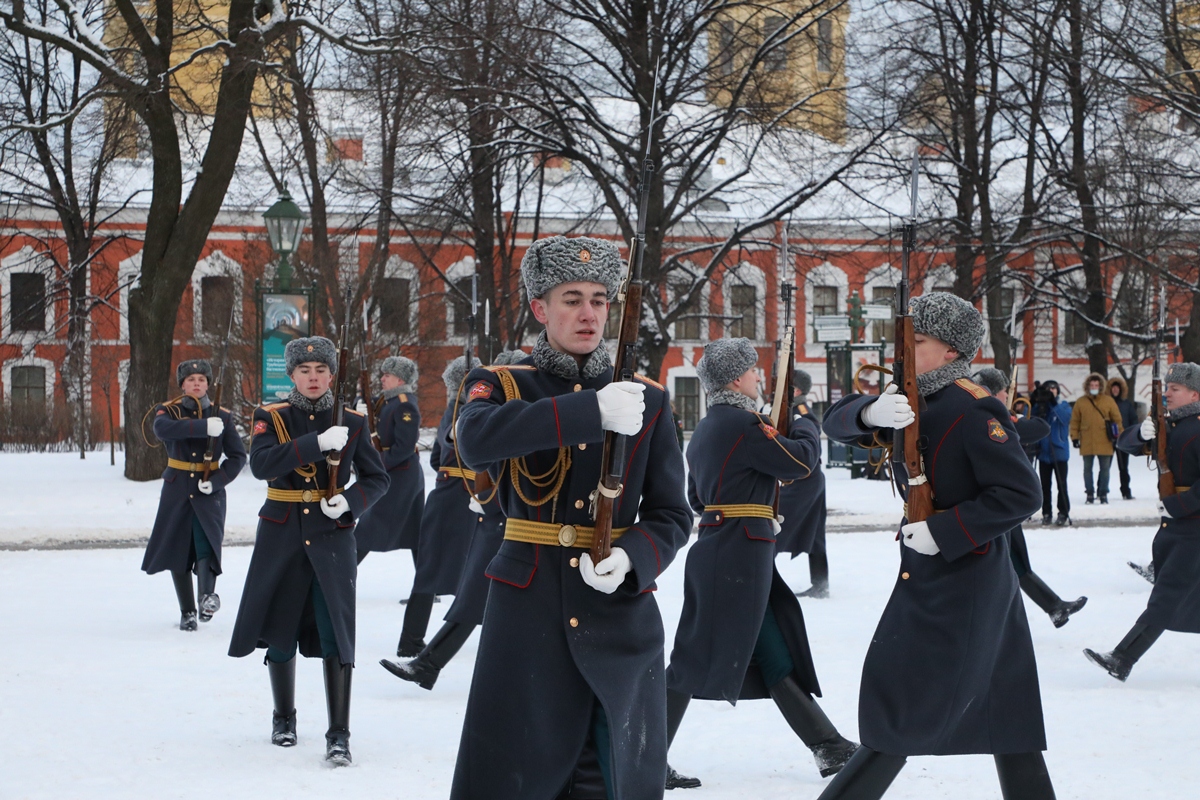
(771, 654)
(329, 646)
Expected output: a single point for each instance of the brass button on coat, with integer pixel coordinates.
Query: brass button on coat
(574, 622)
(306, 541)
(306, 511)
(310, 416)
(574, 562)
(583, 447)
(904, 575)
(306, 496)
(567, 535)
(579, 504)
(577, 387)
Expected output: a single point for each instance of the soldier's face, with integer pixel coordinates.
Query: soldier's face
(1177, 395)
(312, 379)
(931, 353)
(574, 315)
(195, 386)
(747, 383)
(388, 381)
(1002, 396)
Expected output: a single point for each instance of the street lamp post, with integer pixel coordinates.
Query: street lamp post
(285, 224)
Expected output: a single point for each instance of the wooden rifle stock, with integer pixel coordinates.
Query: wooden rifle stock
(918, 496)
(1166, 481)
(211, 446)
(334, 459)
(364, 388)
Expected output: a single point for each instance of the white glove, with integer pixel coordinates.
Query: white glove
(474, 506)
(334, 438)
(361, 408)
(890, 410)
(916, 535)
(216, 426)
(622, 407)
(336, 507)
(205, 487)
(777, 524)
(1147, 430)
(608, 574)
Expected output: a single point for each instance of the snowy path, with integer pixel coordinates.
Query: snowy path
(101, 697)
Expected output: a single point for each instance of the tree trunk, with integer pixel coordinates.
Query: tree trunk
(1189, 342)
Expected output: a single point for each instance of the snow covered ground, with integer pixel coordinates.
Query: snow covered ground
(102, 697)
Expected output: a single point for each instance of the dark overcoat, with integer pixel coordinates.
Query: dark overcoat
(447, 523)
(735, 458)
(1030, 430)
(551, 645)
(802, 503)
(1175, 599)
(951, 668)
(470, 598)
(183, 433)
(395, 521)
(296, 541)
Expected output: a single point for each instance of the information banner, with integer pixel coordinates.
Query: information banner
(285, 316)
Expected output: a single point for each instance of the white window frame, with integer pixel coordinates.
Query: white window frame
(396, 267)
(824, 274)
(51, 372)
(746, 274)
(26, 260)
(217, 264)
(464, 268)
(882, 275)
(702, 302)
(127, 269)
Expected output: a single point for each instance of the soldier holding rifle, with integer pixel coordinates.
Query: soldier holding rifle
(190, 525)
(570, 662)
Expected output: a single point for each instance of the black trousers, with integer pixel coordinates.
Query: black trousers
(1058, 469)
(1123, 468)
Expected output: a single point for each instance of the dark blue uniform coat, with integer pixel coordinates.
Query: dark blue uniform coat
(951, 668)
(736, 457)
(395, 521)
(1175, 599)
(802, 503)
(551, 645)
(296, 541)
(470, 598)
(184, 434)
(447, 524)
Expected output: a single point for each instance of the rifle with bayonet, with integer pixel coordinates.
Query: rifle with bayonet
(343, 390)
(629, 297)
(1012, 359)
(483, 481)
(1166, 481)
(785, 369)
(906, 451)
(364, 384)
(210, 447)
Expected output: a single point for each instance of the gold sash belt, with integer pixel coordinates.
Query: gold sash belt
(1182, 489)
(189, 466)
(458, 472)
(553, 534)
(734, 510)
(297, 495)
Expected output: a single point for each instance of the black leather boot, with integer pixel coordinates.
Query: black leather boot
(677, 703)
(337, 698)
(1023, 776)
(1060, 610)
(425, 668)
(187, 600)
(866, 776)
(206, 587)
(818, 573)
(416, 621)
(1119, 663)
(830, 749)
(283, 691)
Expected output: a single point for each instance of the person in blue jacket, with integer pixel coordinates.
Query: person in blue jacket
(1055, 450)
(1174, 603)
(951, 668)
(570, 662)
(190, 525)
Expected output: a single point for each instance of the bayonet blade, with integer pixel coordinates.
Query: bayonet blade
(916, 165)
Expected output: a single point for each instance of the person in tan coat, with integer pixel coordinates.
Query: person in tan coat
(1095, 425)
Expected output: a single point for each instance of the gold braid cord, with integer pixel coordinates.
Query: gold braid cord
(172, 409)
(281, 431)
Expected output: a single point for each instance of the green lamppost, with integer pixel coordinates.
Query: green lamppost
(856, 316)
(285, 224)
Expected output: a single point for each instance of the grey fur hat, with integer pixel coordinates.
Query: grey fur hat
(549, 262)
(725, 360)
(1185, 374)
(991, 379)
(195, 366)
(802, 382)
(310, 348)
(506, 357)
(403, 368)
(949, 318)
(455, 371)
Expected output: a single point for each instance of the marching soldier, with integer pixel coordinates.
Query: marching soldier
(470, 597)
(447, 523)
(802, 503)
(190, 524)
(741, 634)
(394, 523)
(951, 668)
(1174, 603)
(570, 662)
(300, 584)
(1029, 431)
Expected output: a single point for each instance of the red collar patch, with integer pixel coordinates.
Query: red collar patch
(996, 431)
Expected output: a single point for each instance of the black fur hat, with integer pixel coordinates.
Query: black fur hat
(550, 262)
(724, 361)
(195, 366)
(310, 348)
(949, 318)
(802, 382)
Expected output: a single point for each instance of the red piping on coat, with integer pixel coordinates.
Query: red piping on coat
(632, 453)
(721, 477)
(537, 554)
